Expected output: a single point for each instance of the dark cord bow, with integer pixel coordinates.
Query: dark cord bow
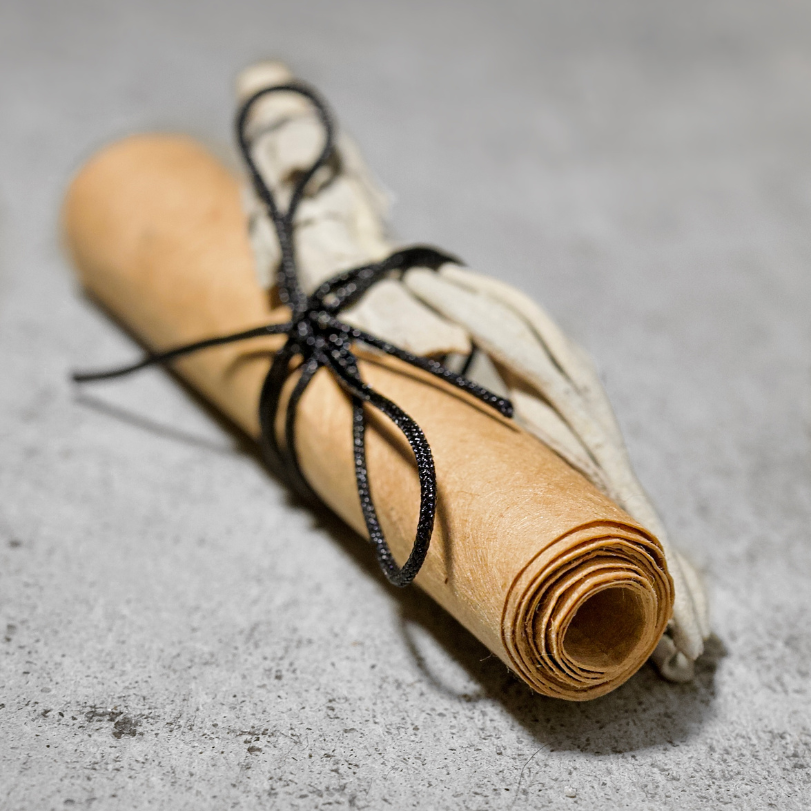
(318, 338)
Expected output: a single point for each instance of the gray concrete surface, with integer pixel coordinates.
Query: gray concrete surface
(176, 632)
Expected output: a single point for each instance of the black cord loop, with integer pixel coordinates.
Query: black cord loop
(319, 339)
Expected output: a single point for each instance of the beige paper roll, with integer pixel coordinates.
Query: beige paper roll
(553, 577)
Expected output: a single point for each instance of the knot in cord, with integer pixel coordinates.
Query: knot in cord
(317, 338)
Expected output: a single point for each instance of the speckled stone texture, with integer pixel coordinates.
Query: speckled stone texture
(176, 632)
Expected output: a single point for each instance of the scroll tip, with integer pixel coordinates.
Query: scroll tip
(259, 75)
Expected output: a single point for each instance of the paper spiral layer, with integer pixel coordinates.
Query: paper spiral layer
(579, 620)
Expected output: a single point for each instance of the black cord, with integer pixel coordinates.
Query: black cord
(318, 338)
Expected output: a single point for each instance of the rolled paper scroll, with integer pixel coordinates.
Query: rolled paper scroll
(530, 556)
(551, 575)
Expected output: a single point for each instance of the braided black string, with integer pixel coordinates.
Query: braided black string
(319, 339)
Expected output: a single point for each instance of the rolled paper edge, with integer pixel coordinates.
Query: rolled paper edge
(547, 594)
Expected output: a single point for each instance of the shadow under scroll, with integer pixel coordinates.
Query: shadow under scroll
(645, 712)
(237, 445)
